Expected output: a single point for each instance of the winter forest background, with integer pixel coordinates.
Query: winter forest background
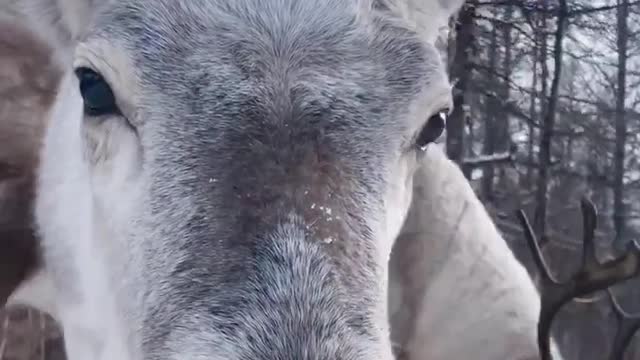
(547, 110)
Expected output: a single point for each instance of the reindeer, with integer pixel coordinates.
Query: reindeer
(250, 179)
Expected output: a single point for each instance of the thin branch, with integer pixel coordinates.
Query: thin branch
(492, 159)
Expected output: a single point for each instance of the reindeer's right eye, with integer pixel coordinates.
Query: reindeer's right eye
(96, 93)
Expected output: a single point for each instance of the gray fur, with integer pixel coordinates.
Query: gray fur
(272, 103)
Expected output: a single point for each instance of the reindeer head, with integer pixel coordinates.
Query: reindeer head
(224, 179)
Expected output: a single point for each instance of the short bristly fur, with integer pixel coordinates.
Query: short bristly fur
(245, 204)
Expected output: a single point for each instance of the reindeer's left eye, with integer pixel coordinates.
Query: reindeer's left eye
(96, 93)
(432, 130)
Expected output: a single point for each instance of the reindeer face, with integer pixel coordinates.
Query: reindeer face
(224, 179)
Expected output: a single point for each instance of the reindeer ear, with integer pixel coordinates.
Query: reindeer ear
(426, 17)
(28, 79)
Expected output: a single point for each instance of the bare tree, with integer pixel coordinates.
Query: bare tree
(461, 76)
(621, 123)
(544, 157)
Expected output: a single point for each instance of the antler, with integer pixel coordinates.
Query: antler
(592, 276)
(628, 325)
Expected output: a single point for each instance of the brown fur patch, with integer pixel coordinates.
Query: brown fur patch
(28, 81)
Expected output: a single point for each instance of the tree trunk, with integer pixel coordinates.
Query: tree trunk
(544, 156)
(503, 126)
(533, 114)
(621, 125)
(461, 75)
(491, 114)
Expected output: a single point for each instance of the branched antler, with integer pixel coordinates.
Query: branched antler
(592, 276)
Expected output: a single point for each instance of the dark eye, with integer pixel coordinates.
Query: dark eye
(432, 129)
(96, 93)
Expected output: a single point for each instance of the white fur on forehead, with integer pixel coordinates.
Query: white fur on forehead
(427, 17)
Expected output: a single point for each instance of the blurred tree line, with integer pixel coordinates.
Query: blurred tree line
(547, 110)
